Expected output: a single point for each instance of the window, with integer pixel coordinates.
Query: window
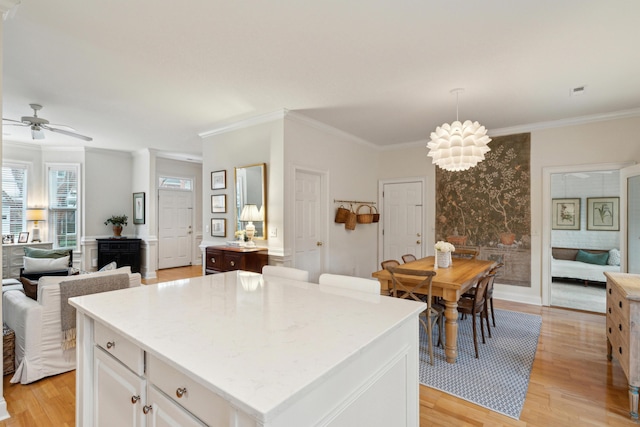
(14, 198)
(63, 205)
(174, 183)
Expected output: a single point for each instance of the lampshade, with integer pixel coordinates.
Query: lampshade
(458, 146)
(36, 214)
(250, 213)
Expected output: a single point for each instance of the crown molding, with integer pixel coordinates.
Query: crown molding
(301, 118)
(574, 121)
(6, 6)
(245, 123)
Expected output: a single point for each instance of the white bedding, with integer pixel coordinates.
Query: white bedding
(580, 270)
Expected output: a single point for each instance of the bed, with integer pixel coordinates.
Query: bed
(564, 264)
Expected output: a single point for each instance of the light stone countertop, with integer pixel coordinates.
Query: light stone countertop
(255, 342)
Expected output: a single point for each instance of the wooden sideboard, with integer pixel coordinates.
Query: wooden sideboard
(228, 258)
(623, 329)
(12, 254)
(123, 251)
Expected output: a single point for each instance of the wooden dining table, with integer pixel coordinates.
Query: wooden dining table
(449, 284)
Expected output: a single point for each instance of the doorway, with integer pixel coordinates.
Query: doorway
(175, 230)
(402, 213)
(309, 222)
(579, 186)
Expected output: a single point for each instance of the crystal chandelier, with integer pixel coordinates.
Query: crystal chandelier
(458, 146)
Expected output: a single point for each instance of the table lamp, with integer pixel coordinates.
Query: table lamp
(249, 214)
(35, 215)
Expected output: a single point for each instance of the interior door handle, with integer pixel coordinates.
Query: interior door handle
(318, 243)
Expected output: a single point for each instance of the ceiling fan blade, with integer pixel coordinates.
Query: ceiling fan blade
(19, 123)
(66, 132)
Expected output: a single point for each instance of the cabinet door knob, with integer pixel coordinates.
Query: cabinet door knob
(232, 263)
(111, 344)
(146, 409)
(135, 399)
(181, 391)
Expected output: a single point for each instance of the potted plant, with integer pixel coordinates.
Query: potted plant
(117, 221)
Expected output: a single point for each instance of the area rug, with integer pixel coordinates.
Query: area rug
(499, 379)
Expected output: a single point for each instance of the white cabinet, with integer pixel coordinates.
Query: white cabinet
(125, 396)
(119, 393)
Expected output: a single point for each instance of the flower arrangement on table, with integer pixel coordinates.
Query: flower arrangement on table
(240, 235)
(444, 247)
(443, 254)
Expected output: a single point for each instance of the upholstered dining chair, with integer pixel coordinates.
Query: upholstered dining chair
(420, 292)
(475, 307)
(285, 273)
(408, 258)
(349, 282)
(465, 253)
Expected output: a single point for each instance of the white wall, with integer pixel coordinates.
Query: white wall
(582, 186)
(352, 169)
(236, 148)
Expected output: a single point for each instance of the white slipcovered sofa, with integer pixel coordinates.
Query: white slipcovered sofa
(37, 326)
(565, 266)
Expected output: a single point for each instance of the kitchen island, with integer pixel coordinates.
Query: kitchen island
(236, 349)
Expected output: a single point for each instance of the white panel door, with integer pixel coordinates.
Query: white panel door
(175, 233)
(309, 229)
(630, 219)
(402, 220)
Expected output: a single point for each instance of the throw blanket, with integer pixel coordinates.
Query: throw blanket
(79, 287)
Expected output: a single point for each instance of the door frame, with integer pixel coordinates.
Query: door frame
(194, 249)
(428, 212)
(625, 174)
(324, 215)
(545, 251)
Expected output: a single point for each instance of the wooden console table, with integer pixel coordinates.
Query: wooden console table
(229, 258)
(623, 329)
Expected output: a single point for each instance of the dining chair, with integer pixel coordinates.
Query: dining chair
(420, 292)
(475, 307)
(349, 282)
(465, 253)
(489, 295)
(408, 258)
(389, 263)
(285, 273)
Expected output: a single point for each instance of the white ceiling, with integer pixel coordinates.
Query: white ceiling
(136, 74)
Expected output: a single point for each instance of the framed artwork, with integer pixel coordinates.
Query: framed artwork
(138, 208)
(24, 237)
(219, 203)
(603, 213)
(566, 214)
(219, 180)
(219, 227)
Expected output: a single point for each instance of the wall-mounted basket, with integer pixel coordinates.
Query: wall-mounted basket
(365, 218)
(350, 223)
(342, 214)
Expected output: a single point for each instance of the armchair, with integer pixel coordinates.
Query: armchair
(43, 262)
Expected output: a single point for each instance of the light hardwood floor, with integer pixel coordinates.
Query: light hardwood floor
(572, 383)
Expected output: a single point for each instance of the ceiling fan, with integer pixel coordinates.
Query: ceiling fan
(38, 125)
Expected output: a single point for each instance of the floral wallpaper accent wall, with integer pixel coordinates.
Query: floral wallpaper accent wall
(489, 206)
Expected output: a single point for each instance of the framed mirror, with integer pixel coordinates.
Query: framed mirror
(251, 189)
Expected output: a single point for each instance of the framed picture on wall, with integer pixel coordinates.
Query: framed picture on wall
(219, 203)
(219, 180)
(603, 213)
(219, 227)
(566, 214)
(138, 208)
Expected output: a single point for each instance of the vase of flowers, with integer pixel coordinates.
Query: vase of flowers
(117, 221)
(443, 254)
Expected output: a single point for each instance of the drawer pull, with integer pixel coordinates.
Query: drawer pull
(620, 350)
(146, 409)
(233, 263)
(609, 291)
(213, 260)
(111, 344)
(609, 330)
(620, 304)
(620, 326)
(609, 310)
(135, 399)
(181, 391)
